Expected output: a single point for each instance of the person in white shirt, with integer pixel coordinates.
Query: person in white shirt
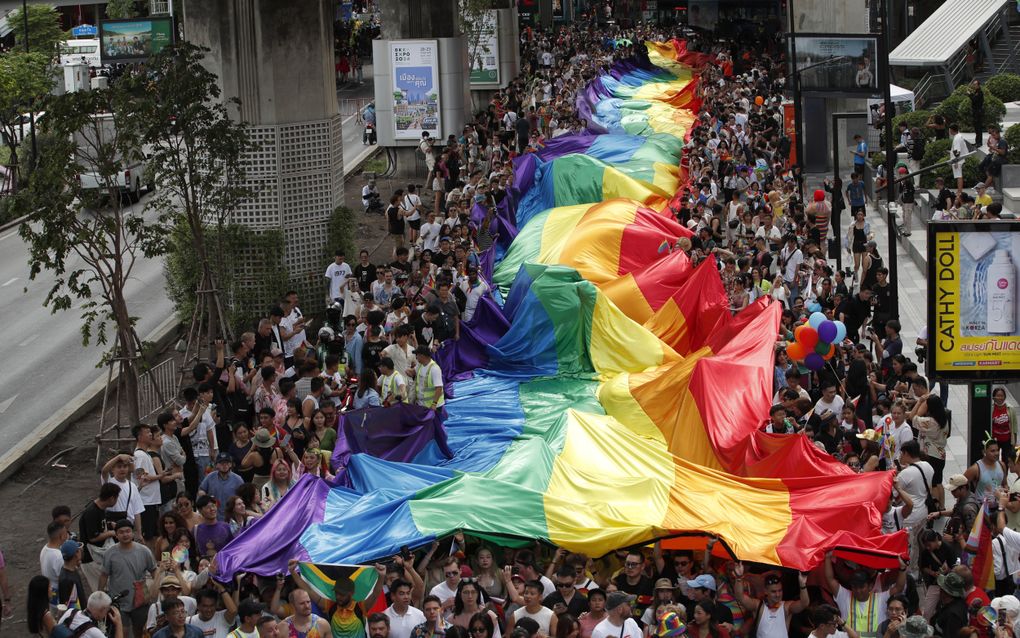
(915, 478)
(169, 589)
(620, 622)
(535, 610)
(292, 328)
(146, 480)
(213, 623)
(474, 289)
(446, 591)
(430, 232)
(129, 502)
(956, 154)
(51, 560)
(337, 274)
(411, 203)
(830, 401)
(899, 431)
(403, 616)
(100, 606)
(400, 352)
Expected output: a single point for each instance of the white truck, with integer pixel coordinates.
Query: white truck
(130, 177)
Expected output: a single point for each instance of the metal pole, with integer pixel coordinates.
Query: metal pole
(31, 114)
(890, 158)
(798, 116)
(836, 219)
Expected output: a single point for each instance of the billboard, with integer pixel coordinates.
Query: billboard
(837, 63)
(134, 40)
(973, 307)
(483, 49)
(415, 88)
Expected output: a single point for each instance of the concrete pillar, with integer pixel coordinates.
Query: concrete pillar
(434, 21)
(277, 59)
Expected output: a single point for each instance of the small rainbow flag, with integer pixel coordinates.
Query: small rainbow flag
(979, 549)
(322, 578)
(664, 246)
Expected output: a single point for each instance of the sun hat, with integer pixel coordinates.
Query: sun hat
(671, 626)
(915, 627)
(264, 438)
(952, 584)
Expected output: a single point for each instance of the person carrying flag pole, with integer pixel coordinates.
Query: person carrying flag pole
(347, 616)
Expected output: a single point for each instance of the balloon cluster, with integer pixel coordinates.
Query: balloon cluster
(815, 341)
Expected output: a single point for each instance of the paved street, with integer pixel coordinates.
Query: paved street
(41, 346)
(46, 366)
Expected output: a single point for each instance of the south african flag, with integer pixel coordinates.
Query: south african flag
(322, 577)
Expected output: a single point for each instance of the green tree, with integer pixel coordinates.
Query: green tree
(122, 9)
(196, 158)
(87, 238)
(44, 32)
(25, 79)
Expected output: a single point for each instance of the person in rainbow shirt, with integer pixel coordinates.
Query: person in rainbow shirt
(347, 617)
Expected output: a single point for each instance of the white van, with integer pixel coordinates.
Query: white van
(81, 51)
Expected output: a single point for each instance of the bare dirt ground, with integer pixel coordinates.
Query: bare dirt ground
(72, 479)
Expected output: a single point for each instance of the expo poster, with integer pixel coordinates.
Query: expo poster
(484, 50)
(974, 310)
(415, 88)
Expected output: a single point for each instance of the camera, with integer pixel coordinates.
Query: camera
(920, 352)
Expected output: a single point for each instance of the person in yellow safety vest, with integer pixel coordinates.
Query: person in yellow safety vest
(428, 380)
(392, 383)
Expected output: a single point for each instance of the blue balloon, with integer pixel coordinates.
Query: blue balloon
(816, 319)
(814, 306)
(840, 332)
(827, 331)
(814, 361)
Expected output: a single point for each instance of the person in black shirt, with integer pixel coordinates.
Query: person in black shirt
(92, 527)
(371, 349)
(632, 580)
(395, 220)
(854, 313)
(945, 197)
(566, 598)
(364, 272)
(70, 582)
(425, 326)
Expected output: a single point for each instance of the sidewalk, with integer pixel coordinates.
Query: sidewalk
(913, 297)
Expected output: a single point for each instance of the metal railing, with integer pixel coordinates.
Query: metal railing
(157, 387)
(354, 106)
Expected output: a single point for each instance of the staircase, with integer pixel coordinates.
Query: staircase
(1005, 55)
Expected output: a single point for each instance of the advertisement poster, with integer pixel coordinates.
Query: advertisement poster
(973, 306)
(557, 9)
(483, 47)
(135, 39)
(415, 88)
(838, 63)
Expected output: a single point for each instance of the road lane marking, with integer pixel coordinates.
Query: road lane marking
(8, 235)
(6, 404)
(8, 282)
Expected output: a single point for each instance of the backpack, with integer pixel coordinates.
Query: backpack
(917, 153)
(63, 629)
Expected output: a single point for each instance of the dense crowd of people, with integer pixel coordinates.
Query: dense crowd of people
(265, 411)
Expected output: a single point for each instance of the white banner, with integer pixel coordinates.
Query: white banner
(415, 88)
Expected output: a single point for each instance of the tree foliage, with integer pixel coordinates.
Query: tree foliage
(474, 25)
(196, 152)
(88, 239)
(25, 79)
(122, 9)
(44, 32)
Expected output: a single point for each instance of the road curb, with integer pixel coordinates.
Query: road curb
(74, 409)
(14, 222)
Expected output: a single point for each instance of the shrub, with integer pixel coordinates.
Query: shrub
(1005, 86)
(950, 107)
(1012, 135)
(340, 233)
(913, 119)
(934, 152)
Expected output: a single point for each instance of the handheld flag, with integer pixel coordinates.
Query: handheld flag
(322, 578)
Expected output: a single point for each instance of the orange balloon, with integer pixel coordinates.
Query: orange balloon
(828, 355)
(796, 351)
(759, 100)
(806, 336)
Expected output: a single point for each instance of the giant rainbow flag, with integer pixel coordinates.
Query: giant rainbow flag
(611, 398)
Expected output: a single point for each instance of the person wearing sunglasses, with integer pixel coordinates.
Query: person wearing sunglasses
(446, 591)
(770, 616)
(632, 580)
(864, 603)
(481, 625)
(828, 622)
(566, 598)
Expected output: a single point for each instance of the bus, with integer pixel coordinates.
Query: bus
(81, 51)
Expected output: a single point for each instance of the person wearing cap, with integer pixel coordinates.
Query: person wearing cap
(428, 380)
(703, 588)
(863, 604)
(221, 484)
(664, 593)
(346, 616)
(620, 622)
(566, 598)
(171, 586)
(248, 614)
(951, 612)
(769, 617)
(819, 212)
(71, 589)
(125, 564)
(596, 611)
(966, 506)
